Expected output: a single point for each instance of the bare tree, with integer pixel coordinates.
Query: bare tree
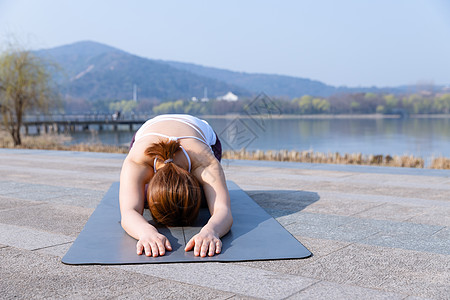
(25, 86)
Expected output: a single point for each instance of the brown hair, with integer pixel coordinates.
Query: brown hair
(174, 195)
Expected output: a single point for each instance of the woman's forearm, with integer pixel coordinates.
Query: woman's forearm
(220, 222)
(135, 224)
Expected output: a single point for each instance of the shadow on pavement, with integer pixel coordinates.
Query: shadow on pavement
(280, 203)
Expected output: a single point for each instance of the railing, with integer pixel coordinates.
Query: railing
(71, 123)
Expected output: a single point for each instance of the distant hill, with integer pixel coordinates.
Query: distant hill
(94, 71)
(275, 85)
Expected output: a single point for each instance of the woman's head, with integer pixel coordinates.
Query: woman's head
(174, 195)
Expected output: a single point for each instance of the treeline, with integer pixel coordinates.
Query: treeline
(359, 103)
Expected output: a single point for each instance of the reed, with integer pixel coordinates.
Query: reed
(53, 141)
(328, 158)
(440, 163)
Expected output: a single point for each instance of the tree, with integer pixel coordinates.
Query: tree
(25, 86)
(320, 105)
(124, 106)
(305, 104)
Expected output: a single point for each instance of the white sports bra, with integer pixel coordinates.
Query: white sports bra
(177, 118)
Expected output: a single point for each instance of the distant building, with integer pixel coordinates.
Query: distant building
(228, 97)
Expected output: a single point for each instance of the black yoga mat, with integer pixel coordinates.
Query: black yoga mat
(255, 235)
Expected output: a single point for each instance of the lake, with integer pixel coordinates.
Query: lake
(422, 137)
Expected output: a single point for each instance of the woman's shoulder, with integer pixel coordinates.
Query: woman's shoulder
(137, 155)
(201, 155)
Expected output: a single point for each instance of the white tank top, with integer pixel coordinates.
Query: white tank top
(207, 134)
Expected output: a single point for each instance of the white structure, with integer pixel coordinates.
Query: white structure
(135, 93)
(228, 97)
(205, 95)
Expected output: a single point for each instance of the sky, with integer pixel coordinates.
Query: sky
(339, 42)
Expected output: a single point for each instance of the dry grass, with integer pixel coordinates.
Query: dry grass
(58, 142)
(440, 163)
(328, 158)
(52, 141)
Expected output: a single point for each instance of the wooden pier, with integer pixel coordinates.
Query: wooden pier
(86, 123)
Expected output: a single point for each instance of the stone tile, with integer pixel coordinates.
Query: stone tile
(7, 203)
(50, 193)
(75, 175)
(330, 205)
(327, 227)
(409, 236)
(329, 290)
(314, 219)
(433, 216)
(228, 277)
(392, 227)
(410, 242)
(374, 190)
(240, 297)
(31, 275)
(387, 269)
(318, 247)
(392, 212)
(423, 202)
(30, 239)
(60, 219)
(444, 234)
(404, 181)
(168, 289)
(58, 250)
(79, 197)
(10, 187)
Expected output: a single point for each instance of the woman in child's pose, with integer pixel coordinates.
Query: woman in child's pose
(174, 161)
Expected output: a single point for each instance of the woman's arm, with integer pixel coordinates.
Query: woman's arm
(207, 241)
(132, 197)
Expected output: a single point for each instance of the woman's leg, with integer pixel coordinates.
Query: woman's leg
(217, 148)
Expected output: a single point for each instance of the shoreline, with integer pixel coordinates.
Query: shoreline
(326, 116)
(54, 141)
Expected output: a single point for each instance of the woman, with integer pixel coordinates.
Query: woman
(173, 161)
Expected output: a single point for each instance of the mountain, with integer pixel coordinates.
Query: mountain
(276, 85)
(95, 71)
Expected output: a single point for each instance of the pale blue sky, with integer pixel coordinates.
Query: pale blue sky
(339, 42)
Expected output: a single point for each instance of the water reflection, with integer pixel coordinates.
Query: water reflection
(425, 137)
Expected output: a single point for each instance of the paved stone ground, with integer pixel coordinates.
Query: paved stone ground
(378, 233)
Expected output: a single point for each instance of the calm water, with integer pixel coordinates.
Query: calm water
(420, 137)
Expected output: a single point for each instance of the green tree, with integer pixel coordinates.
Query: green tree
(163, 108)
(195, 108)
(381, 109)
(176, 107)
(391, 102)
(25, 86)
(354, 106)
(305, 104)
(320, 105)
(124, 106)
(442, 104)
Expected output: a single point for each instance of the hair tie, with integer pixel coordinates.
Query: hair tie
(168, 161)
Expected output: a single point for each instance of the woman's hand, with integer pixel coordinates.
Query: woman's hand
(206, 242)
(153, 244)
